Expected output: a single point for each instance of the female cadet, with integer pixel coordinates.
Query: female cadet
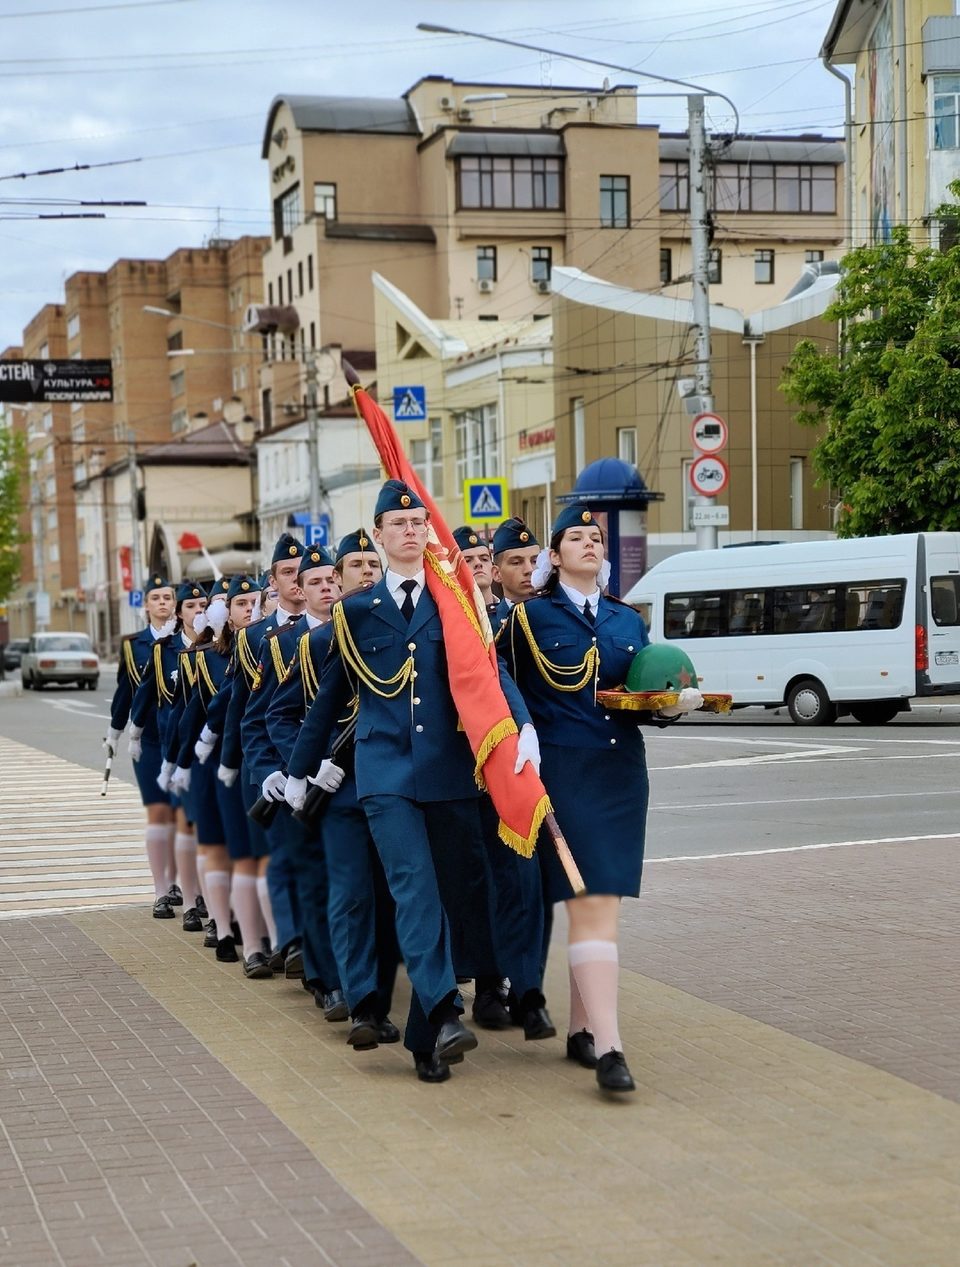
(156, 695)
(562, 647)
(136, 651)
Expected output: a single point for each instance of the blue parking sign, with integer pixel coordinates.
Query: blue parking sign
(136, 598)
(410, 404)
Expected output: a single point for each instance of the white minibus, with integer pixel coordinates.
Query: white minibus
(858, 626)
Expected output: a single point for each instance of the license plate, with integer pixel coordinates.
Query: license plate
(947, 657)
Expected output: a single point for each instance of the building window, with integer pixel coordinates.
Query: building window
(325, 201)
(427, 458)
(266, 408)
(763, 267)
(54, 552)
(178, 421)
(615, 202)
(796, 494)
(280, 290)
(541, 263)
(47, 418)
(946, 108)
(517, 184)
(50, 486)
(177, 383)
(715, 266)
(666, 265)
(299, 278)
(813, 257)
(787, 187)
(270, 293)
(309, 272)
(286, 213)
(289, 285)
(476, 440)
(486, 263)
(313, 334)
(627, 445)
(239, 378)
(675, 186)
(73, 326)
(175, 341)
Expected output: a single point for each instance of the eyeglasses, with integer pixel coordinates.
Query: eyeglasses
(401, 525)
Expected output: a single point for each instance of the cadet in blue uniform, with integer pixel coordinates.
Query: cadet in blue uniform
(157, 693)
(476, 552)
(414, 769)
(515, 551)
(136, 652)
(264, 766)
(562, 647)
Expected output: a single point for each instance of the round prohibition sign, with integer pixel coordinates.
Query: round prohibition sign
(709, 475)
(709, 433)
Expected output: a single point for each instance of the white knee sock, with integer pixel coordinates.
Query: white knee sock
(171, 855)
(263, 893)
(201, 872)
(595, 969)
(218, 900)
(185, 850)
(157, 838)
(578, 1013)
(247, 907)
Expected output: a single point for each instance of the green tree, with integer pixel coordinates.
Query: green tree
(888, 403)
(12, 474)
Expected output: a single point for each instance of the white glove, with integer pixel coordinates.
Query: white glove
(227, 776)
(295, 792)
(163, 778)
(528, 749)
(204, 745)
(329, 776)
(688, 701)
(134, 748)
(111, 741)
(180, 780)
(273, 785)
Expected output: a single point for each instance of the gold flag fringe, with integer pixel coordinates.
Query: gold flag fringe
(497, 735)
(525, 846)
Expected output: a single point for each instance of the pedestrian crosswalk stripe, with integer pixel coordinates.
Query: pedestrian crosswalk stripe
(62, 847)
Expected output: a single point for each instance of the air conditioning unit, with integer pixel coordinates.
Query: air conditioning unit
(465, 114)
(448, 104)
(543, 286)
(485, 286)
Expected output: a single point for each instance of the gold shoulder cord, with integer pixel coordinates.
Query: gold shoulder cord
(204, 673)
(311, 683)
(279, 664)
(245, 658)
(164, 694)
(351, 655)
(133, 673)
(560, 676)
(187, 675)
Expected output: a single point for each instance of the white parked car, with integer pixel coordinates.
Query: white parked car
(60, 658)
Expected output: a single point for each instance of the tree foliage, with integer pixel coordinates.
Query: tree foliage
(888, 403)
(12, 476)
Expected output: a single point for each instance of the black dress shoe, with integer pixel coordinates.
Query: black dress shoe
(489, 1012)
(454, 1039)
(201, 907)
(175, 895)
(537, 1024)
(255, 965)
(429, 1068)
(387, 1032)
(227, 950)
(613, 1074)
(236, 933)
(277, 960)
(333, 1005)
(293, 964)
(162, 908)
(211, 938)
(581, 1049)
(364, 1033)
(192, 923)
(266, 947)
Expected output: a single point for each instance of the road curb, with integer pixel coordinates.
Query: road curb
(11, 688)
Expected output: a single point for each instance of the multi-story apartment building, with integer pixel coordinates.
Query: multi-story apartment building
(903, 111)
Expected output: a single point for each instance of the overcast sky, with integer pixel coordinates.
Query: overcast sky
(184, 86)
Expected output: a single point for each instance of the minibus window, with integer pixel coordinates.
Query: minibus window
(747, 612)
(805, 609)
(873, 604)
(945, 600)
(692, 615)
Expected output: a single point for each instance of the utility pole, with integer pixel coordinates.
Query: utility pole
(313, 436)
(706, 534)
(135, 565)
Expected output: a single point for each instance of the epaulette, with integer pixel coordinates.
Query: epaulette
(245, 657)
(612, 598)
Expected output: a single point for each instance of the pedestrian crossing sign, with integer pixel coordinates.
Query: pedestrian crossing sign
(410, 404)
(484, 499)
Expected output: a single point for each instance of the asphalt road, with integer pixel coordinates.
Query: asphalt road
(750, 781)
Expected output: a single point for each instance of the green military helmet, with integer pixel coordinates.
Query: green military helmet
(661, 667)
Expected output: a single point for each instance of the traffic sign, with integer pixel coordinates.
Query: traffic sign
(709, 433)
(136, 598)
(484, 499)
(709, 475)
(714, 516)
(317, 534)
(410, 404)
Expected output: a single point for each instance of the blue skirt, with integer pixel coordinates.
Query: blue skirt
(147, 769)
(600, 803)
(236, 825)
(204, 809)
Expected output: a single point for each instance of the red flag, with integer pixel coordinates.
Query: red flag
(520, 799)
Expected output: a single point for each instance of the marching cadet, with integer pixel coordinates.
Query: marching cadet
(561, 648)
(477, 554)
(136, 652)
(359, 906)
(515, 551)
(157, 693)
(263, 766)
(414, 769)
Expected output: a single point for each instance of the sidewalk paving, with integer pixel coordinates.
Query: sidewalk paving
(790, 1019)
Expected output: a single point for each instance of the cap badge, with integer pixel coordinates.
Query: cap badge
(524, 536)
(473, 539)
(586, 516)
(405, 500)
(244, 585)
(364, 543)
(292, 550)
(196, 593)
(314, 558)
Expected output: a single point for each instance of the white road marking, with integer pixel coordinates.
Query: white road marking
(836, 844)
(71, 706)
(800, 800)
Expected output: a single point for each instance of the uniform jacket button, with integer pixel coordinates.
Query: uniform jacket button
(419, 730)
(411, 646)
(606, 716)
(613, 741)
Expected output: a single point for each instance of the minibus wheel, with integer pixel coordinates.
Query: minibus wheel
(877, 713)
(809, 704)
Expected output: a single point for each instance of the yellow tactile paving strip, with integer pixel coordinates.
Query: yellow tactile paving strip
(744, 1146)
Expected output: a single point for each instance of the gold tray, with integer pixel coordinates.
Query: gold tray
(651, 701)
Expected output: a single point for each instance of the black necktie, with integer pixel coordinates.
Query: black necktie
(408, 605)
(588, 611)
